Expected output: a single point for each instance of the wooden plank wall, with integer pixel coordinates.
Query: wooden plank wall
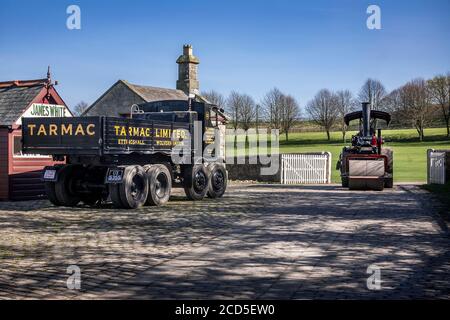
(4, 158)
(25, 174)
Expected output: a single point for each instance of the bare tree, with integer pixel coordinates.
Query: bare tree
(345, 104)
(234, 103)
(373, 91)
(257, 116)
(247, 111)
(323, 110)
(215, 98)
(80, 108)
(392, 104)
(415, 104)
(290, 112)
(272, 104)
(439, 88)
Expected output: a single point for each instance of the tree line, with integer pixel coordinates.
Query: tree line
(276, 110)
(416, 104)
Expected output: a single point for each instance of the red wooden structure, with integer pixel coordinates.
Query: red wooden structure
(20, 173)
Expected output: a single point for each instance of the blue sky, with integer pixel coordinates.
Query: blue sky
(249, 46)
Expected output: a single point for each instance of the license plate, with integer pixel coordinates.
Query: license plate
(114, 176)
(50, 175)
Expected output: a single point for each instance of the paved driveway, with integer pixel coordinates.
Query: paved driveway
(260, 241)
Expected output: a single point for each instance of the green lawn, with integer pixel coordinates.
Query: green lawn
(410, 159)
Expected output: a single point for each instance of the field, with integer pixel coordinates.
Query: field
(410, 161)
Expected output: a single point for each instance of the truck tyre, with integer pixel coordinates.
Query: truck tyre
(218, 180)
(344, 181)
(389, 183)
(115, 196)
(159, 185)
(195, 181)
(51, 193)
(133, 190)
(64, 186)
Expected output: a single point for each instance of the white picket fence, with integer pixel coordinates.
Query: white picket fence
(436, 166)
(306, 168)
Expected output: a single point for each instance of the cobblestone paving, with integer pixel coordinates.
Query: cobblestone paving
(258, 242)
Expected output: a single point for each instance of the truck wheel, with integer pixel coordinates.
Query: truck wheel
(133, 190)
(159, 185)
(195, 182)
(344, 182)
(64, 187)
(115, 196)
(389, 183)
(217, 181)
(51, 193)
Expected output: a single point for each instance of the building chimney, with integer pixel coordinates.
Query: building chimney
(188, 71)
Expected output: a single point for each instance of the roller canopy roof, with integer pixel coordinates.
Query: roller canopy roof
(373, 114)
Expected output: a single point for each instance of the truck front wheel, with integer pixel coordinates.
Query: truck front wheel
(132, 192)
(195, 182)
(217, 181)
(159, 185)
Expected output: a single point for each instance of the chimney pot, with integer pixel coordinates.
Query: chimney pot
(187, 71)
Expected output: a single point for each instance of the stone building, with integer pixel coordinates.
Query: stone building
(118, 100)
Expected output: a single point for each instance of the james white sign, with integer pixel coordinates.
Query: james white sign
(42, 110)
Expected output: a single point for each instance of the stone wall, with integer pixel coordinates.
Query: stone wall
(241, 169)
(116, 101)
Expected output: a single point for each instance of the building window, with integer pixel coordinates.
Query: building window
(17, 149)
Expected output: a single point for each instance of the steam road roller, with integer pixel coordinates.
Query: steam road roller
(366, 165)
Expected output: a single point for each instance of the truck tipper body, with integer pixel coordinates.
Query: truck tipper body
(132, 161)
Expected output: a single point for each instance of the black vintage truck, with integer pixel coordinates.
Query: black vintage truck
(132, 161)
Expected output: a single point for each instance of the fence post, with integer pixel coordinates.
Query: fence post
(329, 167)
(429, 151)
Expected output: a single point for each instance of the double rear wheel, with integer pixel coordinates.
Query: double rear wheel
(62, 192)
(133, 191)
(159, 184)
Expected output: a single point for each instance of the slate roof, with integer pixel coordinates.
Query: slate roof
(15, 97)
(150, 94)
(115, 102)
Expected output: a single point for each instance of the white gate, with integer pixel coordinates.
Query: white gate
(436, 166)
(306, 168)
